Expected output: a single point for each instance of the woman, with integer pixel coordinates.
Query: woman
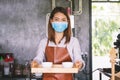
(59, 46)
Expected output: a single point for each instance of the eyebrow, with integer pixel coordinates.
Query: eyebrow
(62, 18)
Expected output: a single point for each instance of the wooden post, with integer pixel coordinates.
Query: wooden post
(112, 60)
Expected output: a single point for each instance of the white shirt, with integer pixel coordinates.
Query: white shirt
(73, 48)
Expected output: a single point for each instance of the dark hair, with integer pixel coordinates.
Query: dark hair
(51, 32)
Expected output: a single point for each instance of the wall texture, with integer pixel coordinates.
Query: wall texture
(23, 25)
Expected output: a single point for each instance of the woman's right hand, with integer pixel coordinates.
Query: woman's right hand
(34, 64)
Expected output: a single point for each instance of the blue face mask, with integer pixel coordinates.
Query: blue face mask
(59, 26)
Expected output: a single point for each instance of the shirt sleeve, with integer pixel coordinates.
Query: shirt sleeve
(41, 51)
(77, 53)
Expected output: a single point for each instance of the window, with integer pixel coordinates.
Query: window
(106, 0)
(105, 28)
(105, 22)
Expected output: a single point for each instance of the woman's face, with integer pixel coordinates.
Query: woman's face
(59, 22)
(59, 17)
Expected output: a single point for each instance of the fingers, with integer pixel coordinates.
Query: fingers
(78, 64)
(34, 64)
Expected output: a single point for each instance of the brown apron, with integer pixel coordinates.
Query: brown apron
(57, 55)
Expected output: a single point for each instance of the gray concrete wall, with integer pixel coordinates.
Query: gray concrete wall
(23, 25)
(82, 32)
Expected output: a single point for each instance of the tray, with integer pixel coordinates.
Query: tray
(54, 69)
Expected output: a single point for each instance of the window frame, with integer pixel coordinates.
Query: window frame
(105, 1)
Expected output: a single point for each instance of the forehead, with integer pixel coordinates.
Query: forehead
(59, 15)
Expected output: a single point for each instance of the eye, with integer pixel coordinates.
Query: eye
(64, 20)
(56, 19)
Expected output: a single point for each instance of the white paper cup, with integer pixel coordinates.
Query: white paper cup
(47, 64)
(67, 64)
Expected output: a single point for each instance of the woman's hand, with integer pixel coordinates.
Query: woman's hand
(34, 64)
(78, 64)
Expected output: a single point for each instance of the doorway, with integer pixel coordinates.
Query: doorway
(105, 28)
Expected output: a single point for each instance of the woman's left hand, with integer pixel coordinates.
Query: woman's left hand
(78, 64)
